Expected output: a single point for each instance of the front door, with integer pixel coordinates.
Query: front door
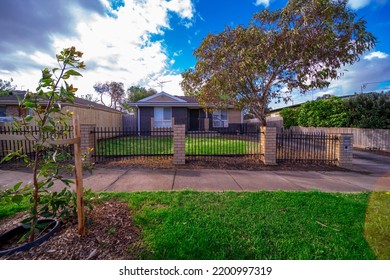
(194, 120)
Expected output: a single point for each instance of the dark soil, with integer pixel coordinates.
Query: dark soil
(21, 237)
(231, 163)
(111, 235)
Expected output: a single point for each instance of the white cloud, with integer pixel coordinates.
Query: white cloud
(117, 48)
(373, 55)
(372, 72)
(265, 3)
(358, 4)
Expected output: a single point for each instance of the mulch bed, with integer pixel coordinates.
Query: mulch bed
(111, 235)
(232, 163)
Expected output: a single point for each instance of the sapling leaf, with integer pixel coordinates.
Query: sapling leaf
(17, 186)
(17, 198)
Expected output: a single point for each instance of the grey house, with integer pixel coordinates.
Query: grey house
(162, 110)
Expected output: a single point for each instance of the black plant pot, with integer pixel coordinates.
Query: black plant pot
(53, 228)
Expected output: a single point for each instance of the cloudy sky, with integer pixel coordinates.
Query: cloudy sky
(142, 42)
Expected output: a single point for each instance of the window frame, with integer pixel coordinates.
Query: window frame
(163, 122)
(219, 119)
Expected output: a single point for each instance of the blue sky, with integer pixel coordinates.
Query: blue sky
(143, 42)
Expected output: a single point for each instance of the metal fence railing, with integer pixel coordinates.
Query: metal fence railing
(27, 146)
(316, 148)
(120, 144)
(206, 145)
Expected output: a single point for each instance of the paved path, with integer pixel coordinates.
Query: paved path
(371, 173)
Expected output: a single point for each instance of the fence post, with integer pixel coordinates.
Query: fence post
(87, 140)
(344, 150)
(268, 145)
(179, 144)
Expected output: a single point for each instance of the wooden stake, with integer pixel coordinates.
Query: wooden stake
(79, 176)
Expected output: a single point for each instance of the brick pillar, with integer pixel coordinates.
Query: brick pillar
(179, 144)
(87, 140)
(206, 124)
(268, 145)
(344, 150)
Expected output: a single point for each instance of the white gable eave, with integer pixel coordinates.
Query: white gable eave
(174, 98)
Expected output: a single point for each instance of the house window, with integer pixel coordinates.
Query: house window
(2, 111)
(162, 117)
(220, 118)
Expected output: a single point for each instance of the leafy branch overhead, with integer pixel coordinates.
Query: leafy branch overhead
(298, 48)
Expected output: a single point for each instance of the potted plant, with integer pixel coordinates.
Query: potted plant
(49, 161)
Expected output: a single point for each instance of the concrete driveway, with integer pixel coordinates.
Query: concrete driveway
(370, 172)
(370, 163)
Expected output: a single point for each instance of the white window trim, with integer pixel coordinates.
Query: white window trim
(218, 121)
(163, 123)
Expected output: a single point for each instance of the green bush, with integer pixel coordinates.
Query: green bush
(289, 116)
(323, 113)
(368, 110)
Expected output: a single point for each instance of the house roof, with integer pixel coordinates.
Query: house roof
(189, 99)
(12, 99)
(163, 99)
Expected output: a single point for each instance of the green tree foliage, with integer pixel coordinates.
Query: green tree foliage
(289, 116)
(300, 47)
(323, 113)
(136, 93)
(369, 110)
(6, 87)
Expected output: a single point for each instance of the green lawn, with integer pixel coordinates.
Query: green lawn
(260, 225)
(164, 145)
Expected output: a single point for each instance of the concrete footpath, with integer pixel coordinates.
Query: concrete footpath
(126, 180)
(370, 172)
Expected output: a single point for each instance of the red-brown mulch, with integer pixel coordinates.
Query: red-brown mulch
(232, 163)
(111, 235)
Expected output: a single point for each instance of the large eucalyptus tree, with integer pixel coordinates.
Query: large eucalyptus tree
(300, 47)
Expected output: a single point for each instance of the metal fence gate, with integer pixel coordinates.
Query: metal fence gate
(316, 148)
(209, 145)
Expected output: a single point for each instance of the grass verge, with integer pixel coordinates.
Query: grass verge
(377, 224)
(192, 225)
(262, 225)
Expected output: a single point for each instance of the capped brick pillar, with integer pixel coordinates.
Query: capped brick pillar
(87, 140)
(179, 144)
(268, 145)
(344, 150)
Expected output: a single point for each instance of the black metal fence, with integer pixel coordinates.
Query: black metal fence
(233, 127)
(121, 144)
(27, 147)
(316, 148)
(207, 145)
